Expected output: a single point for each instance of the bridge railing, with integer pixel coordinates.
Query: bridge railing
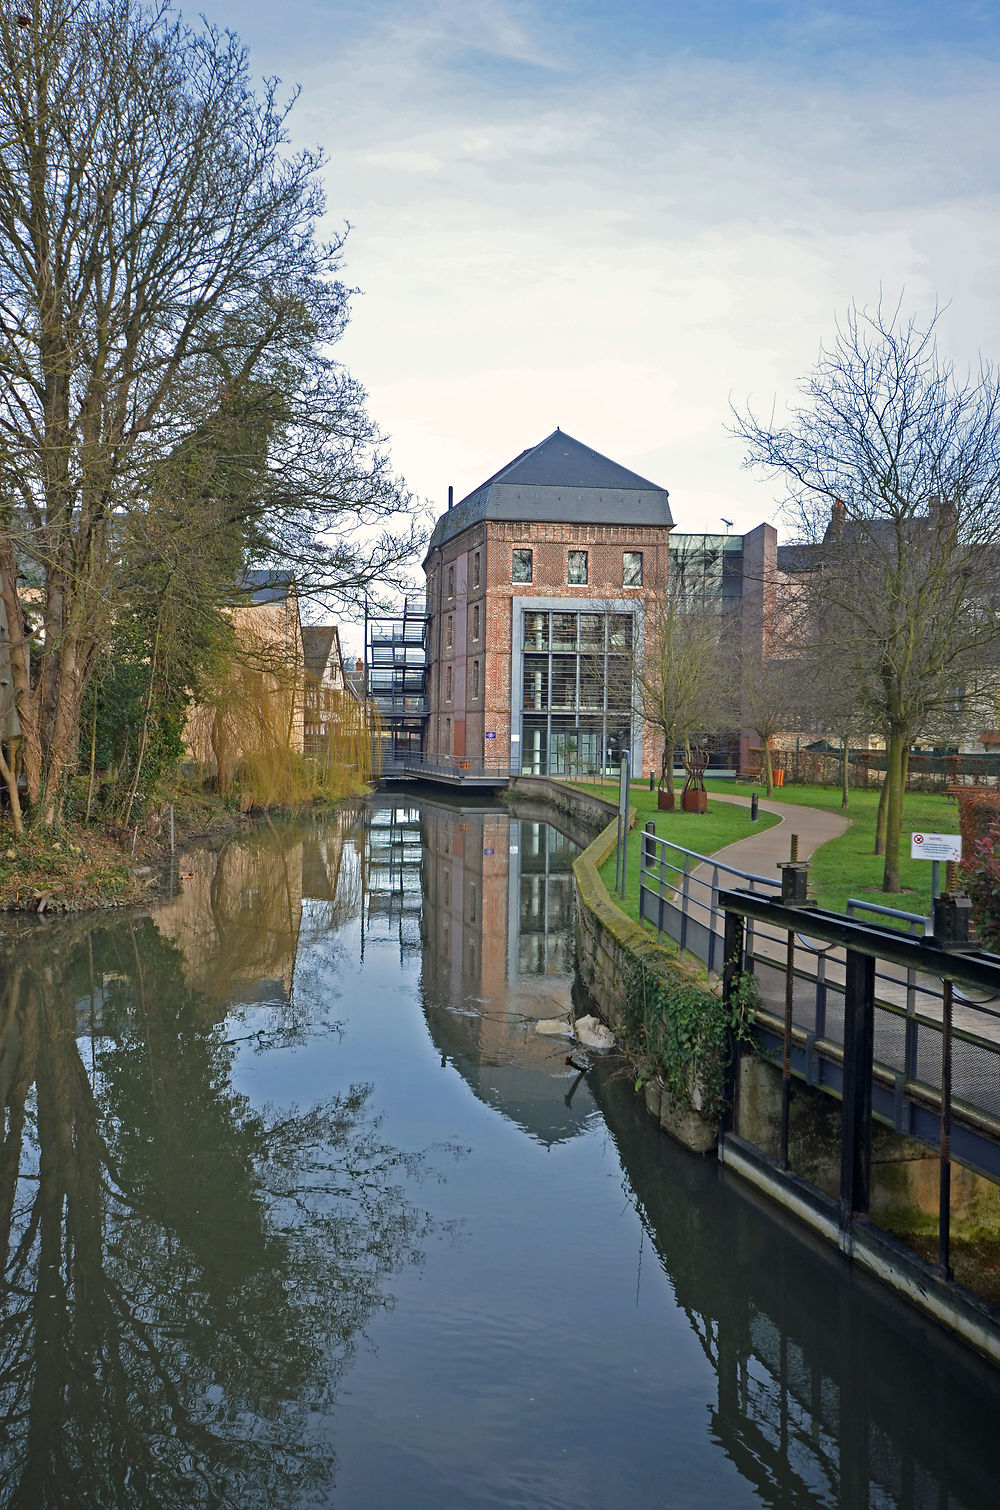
(900, 1028)
(450, 766)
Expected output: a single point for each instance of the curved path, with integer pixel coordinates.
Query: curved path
(760, 853)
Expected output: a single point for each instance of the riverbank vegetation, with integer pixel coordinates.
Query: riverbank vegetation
(844, 867)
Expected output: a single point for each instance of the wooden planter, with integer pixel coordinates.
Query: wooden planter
(664, 801)
(694, 802)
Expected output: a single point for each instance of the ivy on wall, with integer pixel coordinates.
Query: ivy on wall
(678, 1027)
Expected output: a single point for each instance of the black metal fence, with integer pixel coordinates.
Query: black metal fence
(897, 1027)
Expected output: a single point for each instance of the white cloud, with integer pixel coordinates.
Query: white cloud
(546, 237)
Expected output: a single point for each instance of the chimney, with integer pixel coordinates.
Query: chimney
(451, 495)
(838, 518)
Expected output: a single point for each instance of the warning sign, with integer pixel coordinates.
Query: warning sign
(935, 846)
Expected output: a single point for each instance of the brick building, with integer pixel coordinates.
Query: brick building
(537, 584)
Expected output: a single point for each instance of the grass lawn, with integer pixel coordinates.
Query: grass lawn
(846, 866)
(704, 832)
(843, 868)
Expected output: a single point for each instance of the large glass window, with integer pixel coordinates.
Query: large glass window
(564, 681)
(576, 690)
(632, 569)
(564, 631)
(591, 632)
(536, 683)
(521, 565)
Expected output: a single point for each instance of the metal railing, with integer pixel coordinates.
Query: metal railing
(896, 1026)
(803, 975)
(455, 768)
(679, 894)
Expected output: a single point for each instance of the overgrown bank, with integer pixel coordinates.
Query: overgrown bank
(80, 866)
(669, 1017)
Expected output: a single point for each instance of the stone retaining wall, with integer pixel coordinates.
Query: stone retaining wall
(608, 945)
(583, 816)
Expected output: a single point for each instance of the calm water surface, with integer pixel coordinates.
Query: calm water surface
(299, 1210)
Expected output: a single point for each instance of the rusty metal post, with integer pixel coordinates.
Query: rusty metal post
(786, 1053)
(944, 1167)
(856, 1106)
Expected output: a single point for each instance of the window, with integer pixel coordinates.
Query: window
(521, 566)
(632, 569)
(476, 568)
(451, 581)
(475, 621)
(449, 685)
(475, 678)
(536, 631)
(449, 629)
(577, 573)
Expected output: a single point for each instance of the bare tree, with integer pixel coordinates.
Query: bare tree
(158, 264)
(892, 465)
(681, 676)
(770, 691)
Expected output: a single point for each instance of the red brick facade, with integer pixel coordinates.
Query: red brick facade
(470, 596)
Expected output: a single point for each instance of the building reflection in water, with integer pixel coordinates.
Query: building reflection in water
(488, 900)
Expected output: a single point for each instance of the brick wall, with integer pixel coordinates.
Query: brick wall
(453, 593)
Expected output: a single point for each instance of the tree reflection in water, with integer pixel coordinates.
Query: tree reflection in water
(185, 1275)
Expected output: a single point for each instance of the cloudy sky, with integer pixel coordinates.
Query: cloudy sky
(616, 217)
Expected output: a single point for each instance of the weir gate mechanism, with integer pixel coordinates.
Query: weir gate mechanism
(902, 1030)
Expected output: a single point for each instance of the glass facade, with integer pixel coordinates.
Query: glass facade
(576, 691)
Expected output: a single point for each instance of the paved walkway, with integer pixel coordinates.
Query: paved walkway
(760, 853)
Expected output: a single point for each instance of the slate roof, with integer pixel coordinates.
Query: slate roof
(799, 558)
(263, 585)
(317, 642)
(559, 481)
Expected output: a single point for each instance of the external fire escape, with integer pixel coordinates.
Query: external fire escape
(396, 674)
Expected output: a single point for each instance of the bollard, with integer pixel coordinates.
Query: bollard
(952, 916)
(652, 782)
(753, 808)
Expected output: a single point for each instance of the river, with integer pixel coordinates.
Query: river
(298, 1209)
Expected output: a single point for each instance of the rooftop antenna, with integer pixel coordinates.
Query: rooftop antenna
(728, 523)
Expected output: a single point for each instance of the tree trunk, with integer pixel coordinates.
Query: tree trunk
(845, 773)
(9, 774)
(768, 769)
(895, 783)
(667, 763)
(883, 798)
